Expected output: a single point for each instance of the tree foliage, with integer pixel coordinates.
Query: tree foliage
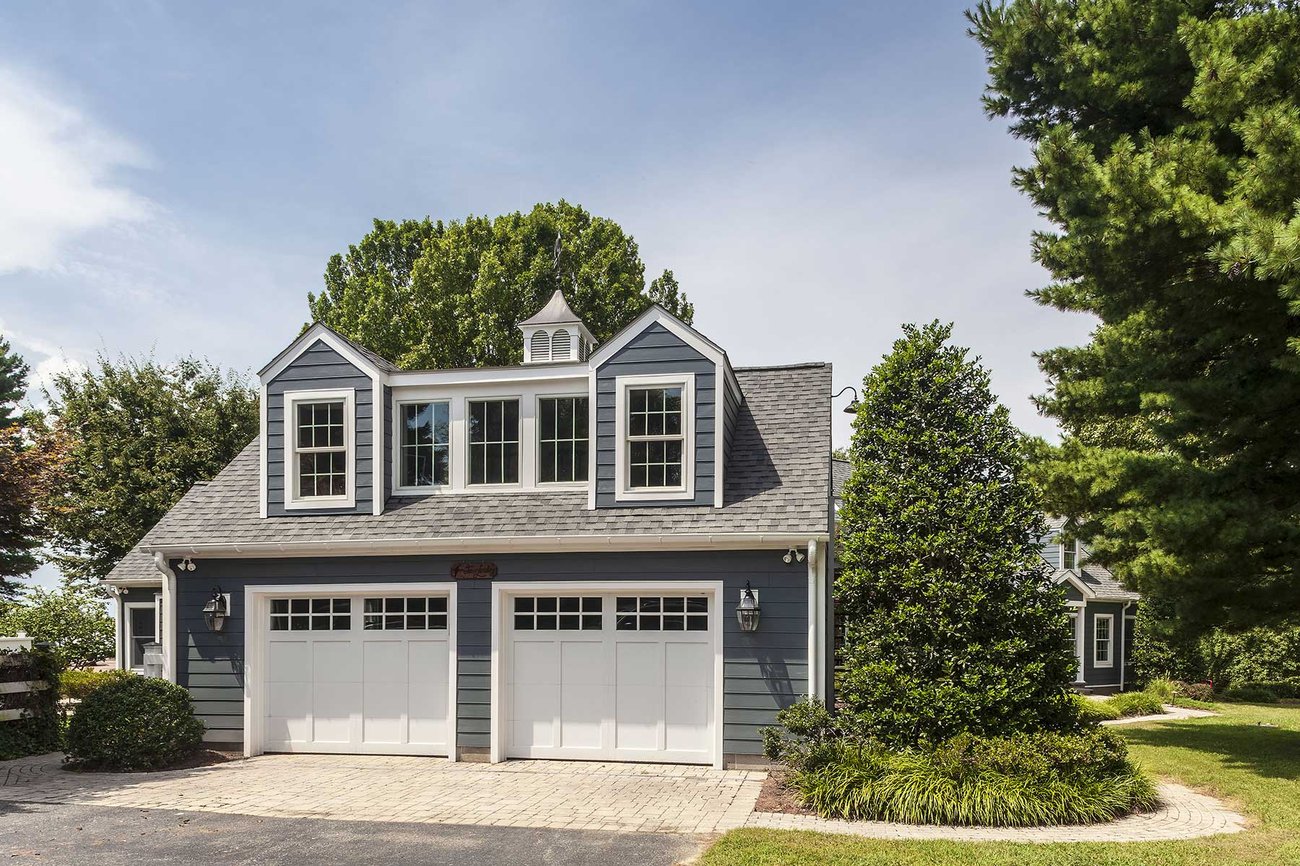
(1166, 138)
(72, 620)
(140, 435)
(29, 465)
(952, 624)
(430, 294)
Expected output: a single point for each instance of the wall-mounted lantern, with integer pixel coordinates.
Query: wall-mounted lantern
(748, 612)
(217, 611)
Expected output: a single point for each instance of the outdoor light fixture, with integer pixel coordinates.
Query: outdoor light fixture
(187, 564)
(852, 408)
(748, 611)
(216, 611)
(794, 554)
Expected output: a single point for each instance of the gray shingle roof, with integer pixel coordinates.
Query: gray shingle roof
(777, 481)
(1100, 580)
(840, 472)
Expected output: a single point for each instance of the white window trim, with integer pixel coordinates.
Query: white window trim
(622, 491)
(128, 638)
(420, 490)
(1110, 640)
(1073, 545)
(504, 590)
(537, 442)
(257, 604)
(292, 501)
(1077, 611)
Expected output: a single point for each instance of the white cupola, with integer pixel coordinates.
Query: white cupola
(555, 334)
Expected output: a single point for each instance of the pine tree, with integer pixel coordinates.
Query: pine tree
(1166, 136)
(951, 622)
(13, 383)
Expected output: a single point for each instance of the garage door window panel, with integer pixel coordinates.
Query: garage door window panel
(311, 614)
(661, 613)
(405, 613)
(558, 613)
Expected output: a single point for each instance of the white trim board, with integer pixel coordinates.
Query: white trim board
(255, 631)
(502, 590)
(490, 544)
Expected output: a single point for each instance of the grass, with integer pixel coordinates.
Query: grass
(1233, 756)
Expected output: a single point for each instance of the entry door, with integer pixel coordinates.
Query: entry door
(624, 676)
(357, 674)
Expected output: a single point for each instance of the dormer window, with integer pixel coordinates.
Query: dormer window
(1070, 554)
(655, 425)
(321, 449)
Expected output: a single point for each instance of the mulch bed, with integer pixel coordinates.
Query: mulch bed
(201, 758)
(776, 796)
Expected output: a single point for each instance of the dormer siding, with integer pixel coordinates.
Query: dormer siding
(319, 368)
(656, 351)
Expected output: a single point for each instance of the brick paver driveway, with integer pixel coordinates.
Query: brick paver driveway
(543, 794)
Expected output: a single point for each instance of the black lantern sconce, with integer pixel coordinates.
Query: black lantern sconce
(748, 612)
(217, 611)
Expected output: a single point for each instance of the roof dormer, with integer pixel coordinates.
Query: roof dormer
(555, 333)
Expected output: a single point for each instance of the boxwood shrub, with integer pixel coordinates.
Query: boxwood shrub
(133, 723)
(76, 684)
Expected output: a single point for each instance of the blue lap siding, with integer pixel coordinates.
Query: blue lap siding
(318, 368)
(763, 671)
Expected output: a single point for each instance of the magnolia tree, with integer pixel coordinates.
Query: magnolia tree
(951, 622)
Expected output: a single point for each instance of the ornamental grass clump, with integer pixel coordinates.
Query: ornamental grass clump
(1023, 780)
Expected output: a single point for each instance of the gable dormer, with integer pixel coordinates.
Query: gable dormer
(322, 402)
(555, 334)
(666, 404)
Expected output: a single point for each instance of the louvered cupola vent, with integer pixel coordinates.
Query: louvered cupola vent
(555, 334)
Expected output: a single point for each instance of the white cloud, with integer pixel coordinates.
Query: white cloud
(57, 180)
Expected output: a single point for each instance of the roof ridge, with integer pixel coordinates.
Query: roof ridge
(802, 365)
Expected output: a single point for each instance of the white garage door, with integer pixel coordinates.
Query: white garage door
(626, 676)
(357, 673)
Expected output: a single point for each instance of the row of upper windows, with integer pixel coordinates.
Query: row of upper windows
(655, 447)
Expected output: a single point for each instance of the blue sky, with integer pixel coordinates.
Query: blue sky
(173, 177)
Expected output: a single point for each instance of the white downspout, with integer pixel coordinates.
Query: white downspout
(169, 615)
(814, 622)
(1123, 624)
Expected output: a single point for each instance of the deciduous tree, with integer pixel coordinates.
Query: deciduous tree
(430, 294)
(140, 435)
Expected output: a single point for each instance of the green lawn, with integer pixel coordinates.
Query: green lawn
(1254, 768)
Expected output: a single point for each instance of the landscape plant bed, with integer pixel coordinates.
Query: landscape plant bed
(201, 758)
(778, 796)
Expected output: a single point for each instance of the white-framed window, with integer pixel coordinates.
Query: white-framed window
(1103, 640)
(563, 439)
(1070, 555)
(493, 434)
(320, 449)
(1076, 643)
(142, 626)
(655, 424)
(424, 446)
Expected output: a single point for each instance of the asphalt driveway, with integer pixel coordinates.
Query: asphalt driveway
(119, 836)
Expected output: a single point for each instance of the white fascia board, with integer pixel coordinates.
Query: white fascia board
(306, 341)
(657, 314)
(490, 375)
(489, 544)
(1083, 588)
